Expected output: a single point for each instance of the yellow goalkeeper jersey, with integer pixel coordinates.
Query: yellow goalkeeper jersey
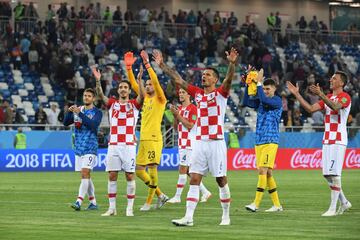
(153, 108)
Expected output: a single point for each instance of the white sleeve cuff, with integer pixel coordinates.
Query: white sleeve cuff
(259, 84)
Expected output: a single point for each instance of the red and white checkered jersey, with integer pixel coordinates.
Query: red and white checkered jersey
(123, 118)
(335, 121)
(186, 136)
(211, 109)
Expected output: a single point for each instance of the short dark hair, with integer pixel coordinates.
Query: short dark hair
(269, 81)
(343, 76)
(216, 72)
(124, 81)
(90, 90)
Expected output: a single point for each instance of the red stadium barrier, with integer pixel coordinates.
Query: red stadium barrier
(289, 158)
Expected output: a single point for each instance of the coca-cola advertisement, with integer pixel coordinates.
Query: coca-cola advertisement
(289, 158)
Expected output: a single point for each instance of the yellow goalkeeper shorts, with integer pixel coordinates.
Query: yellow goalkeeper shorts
(266, 155)
(149, 152)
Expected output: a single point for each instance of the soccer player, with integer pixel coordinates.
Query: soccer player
(151, 143)
(185, 122)
(121, 153)
(87, 119)
(209, 150)
(269, 109)
(337, 107)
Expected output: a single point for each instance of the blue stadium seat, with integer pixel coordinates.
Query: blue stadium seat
(45, 105)
(14, 91)
(36, 105)
(31, 119)
(59, 98)
(24, 68)
(5, 93)
(20, 86)
(25, 98)
(28, 79)
(10, 79)
(21, 110)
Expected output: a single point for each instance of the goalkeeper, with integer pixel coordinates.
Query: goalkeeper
(269, 109)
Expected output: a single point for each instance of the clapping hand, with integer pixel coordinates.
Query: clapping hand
(315, 89)
(294, 90)
(74, 109)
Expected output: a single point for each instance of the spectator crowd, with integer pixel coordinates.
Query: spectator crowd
(62, 48)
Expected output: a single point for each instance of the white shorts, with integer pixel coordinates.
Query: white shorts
(209, 156)
(185, 157)
(85, 161)
(333, 158)
(121, 157)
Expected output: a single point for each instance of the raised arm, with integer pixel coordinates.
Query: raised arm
(154, 79)
(129, 60)
(295, 91)
(274, 102)
(333, 105)
(140, 96)
(173, 74)
(99, 90)
(250, 102)
(232, 57)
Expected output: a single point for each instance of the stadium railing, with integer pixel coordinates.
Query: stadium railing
(4, 21)
(141, 29)
(170, 133)
(332, 37)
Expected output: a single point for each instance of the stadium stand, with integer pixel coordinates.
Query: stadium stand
(56, 56)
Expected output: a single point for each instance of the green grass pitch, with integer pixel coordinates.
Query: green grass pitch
(36, 206)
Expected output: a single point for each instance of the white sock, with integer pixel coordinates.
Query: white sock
(203, 189)
(191, 201)
(225, 199)
(84, 185)
(342, 197)
(180, 185)
(130, 191)
(91, 192)
(112, 188)
(335, 192)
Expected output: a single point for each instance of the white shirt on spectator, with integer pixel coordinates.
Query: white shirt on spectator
(144, 15)
(79, 81)
(33, 56)
(198, 32)
(53, 116)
